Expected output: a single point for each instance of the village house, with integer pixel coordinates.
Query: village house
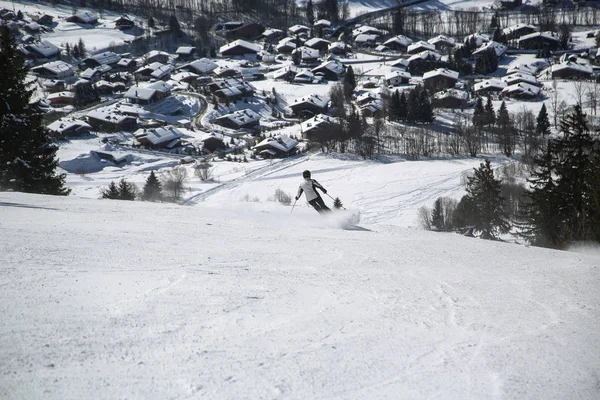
(239, 119)
(69, 127)
(368, 30)
(32, 28)
(330, 70)
(54, 85)
(286, 73)
(571, 70)
(105, 58)
(498, 48)
(45, 19)
(308, 56)
(226, 72)
(239, 48)
(523, 91)
(286, 45)
(83, 17)
(489, 86)
(272, 35)
(167, 137)
(155, 70)
(319, 44)
(419, 47)
(231, 90)
(304, 76)
(126, 64)
(299, 30)
(373, 109)
(366, 40)
(124, 22)
(517, 31)
(322, 27)
(439, 79)
(450, 98)
(60, 99)
(54, 70)
(276, 147)
(212, 142)
(367, 97)
(40, 50)
(185, 53)
(185, 76)
(442, 42)
(203, 66)
(539, 40)
(91, 75)
(149, 94)
(477, 39)
(521, 68)
(319, 126)
(104, 87)
(308, 106)
(396, 78)
(520, 77)
(398, 43)
(339, 48)
(156, 56)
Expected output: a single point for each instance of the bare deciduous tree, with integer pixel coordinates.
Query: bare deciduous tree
(173, 181)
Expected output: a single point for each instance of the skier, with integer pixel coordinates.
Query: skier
(309, 187)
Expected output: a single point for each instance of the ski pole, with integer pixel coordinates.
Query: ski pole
(293, 206)
(342, 207)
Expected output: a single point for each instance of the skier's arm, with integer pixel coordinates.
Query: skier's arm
(318, 185)
(300, 190)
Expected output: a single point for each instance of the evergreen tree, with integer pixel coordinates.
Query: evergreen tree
(490, 112)
(337, 203)
(394, 114)
(464, 215)
(425, 108)
(489, 205)
(310, 13)
(27, 154)
(399, 22)
(112, 192)
(75, 51)
(330, 7)
(349, 82)
(82, 49)
(68, 49)
(412, 111)
(505, 130)
(479, 115)
(84, 94)
(437, 215)
(174, 24)
(127, 190)
(151, 23)
(403, 107)
(542, 127)
(152, 189)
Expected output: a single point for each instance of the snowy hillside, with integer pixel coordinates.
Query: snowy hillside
(109, 299)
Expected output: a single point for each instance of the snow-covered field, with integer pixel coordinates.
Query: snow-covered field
(109, 299)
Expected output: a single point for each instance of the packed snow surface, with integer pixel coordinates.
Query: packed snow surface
(110, 300)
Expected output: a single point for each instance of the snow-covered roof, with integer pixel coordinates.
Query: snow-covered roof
(304, 75)
(280, 142)
(479, 39)
(250, 47)
(308, 53)
(160, 86)
(487, 84)
(87, 17)
(89, 73)
(583, 69)
(44, 48)
(366, 38)
(181, 76)
(442, 39)
(425, 55)
(400, 39)
(155, 53)
(522, 88)
(521, 68)
(61, 95)
(108, 114)
(509, 30)
(185, 50)
(315, 99)
(282, 73)
(33, 26)
(367, 97)
(203, 65)
(162, 71)
(316, 41)
(519, 77)
(441, 72)
(317, 121)
(420, 45)
(499, 48)
(241, 117)
(64, 124)
(397, 74)
(333, 66)
(107, 57)
(272, 32)
(322, 23)
(56, 67)
(158, 135)
(295, 29)
(451, 93)
(136, 92)
(368, 30)
(125, 62)
(545, 35)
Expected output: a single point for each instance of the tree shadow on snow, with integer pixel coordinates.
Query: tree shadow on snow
(9, 204)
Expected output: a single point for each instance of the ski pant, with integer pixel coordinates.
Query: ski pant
(319, 205)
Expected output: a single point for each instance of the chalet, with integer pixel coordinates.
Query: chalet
(424, 55)
(185, 76)
(232, 89)
(571, 70)
(373, 109)
(107, 153)
(105, 58)
(498, 48)
(67, 127)
(124, 22)
(477, 39)
(539, 40)
(248, 31)
(450, 98)
(54, 70)
(156, 56)
(442, 42)
(45, 20)
(367, 97)
(185, 52)
(339, 48)
(91, 75)
(522, 91)
(277, 146)
(304, 76)
(83, 17)
(61, 98)
(489, 86)
(286, 73)
(286, 45)
(308, 56)
(398, 43)
(161, 137)
(239, 48)
(240, 119)
(322, 27)
(330, 70)
(319, 126)
(368, 30)
(104, 87)
(309, 105)
(298, 30)
(272, 35)
(32, 28)
(149, 94)
(439, 79)
(521, 68)
(367, 40)
(419, 47)
(318, 44)
(517, 31)
(212, 143)
(41, 50)
(203, 66)
(155, 70)
(126, 64)
(520, 78)
(54, 85)
(396, 78)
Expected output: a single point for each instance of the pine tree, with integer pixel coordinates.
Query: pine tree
(75, 51)
(310, 13)
(394, 114)
(542, 127)
(490, 112)
(437, 215)
(151, 23)
(112, 192)
(349, 82)
(479, 115)
(174, 24)
(84, 94)
(412, 111)
(505, 130)
(425, 108)
(403, 107)
(484, 191)
(337, 203)
(27, 154)
(82, 49)
(127, 190)
(152, 189)
(68, 49)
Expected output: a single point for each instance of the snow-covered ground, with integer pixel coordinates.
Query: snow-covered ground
(109, 299)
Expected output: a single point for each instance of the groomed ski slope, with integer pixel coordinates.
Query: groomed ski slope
(114, 300)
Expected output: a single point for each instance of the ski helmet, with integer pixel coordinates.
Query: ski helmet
(306, 174)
